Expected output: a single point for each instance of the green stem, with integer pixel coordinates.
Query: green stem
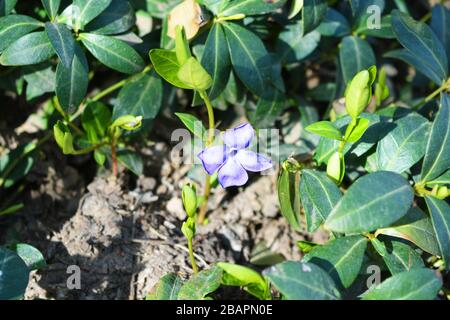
(88, 150)
(191, 255)
(442, 88)
(210, 140)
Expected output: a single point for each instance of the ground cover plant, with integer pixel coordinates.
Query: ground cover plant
(344, 106)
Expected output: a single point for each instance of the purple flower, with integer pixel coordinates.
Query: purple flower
(231, 160)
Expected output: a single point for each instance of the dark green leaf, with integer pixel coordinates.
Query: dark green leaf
(440, 24)
(341, 258)
(374, 201)
(32, 48)
(201, 284)
(132, 161)
(40, 79)
(6, 6)
(14, 275)
(249, 7)
(319, 195)
(443, 179)
(313, 13)
(417, 284)
(51, 8)
(355, 55)
(62, 41)
(16, 164)
(268, 109)
(113, 53)
(13, 27)
(302, 281)
(289, 197)
(334, 24)
(87, 10)
(167, 288)
(95, 120)
(440, 216)
(117, 18)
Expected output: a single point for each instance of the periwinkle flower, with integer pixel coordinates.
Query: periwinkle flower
(231, 160)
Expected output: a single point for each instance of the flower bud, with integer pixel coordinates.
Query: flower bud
(63, 137)
(189, 197)
(182, 49)
(336, 167)
(188, 228)
(359, 92)
(128, 122)
(443, 192)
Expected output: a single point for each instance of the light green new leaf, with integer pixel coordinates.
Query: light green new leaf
(193, 124)
(441, 180)
(440, 216)
(87, 10)
(325, 129)
(72, 82)
(417, 284)
(319, 195)
(62, 41)
(14, 275)
(341, 258)
(113, 53)
(32, 257)
(302, 281)
(374, 201)
(313, 13)
(95, 120)
(405, 145)
(249, 7)
(361, 127)
(166, 65)
(167, 288)
(51, 8)
(201, 284)
(14, 26)
(32, 48)
(437, 154)
(193, 75)
(355, 55)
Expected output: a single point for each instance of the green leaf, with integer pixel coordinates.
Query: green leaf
(325, 129)
(341, 258)
(249, 7)
(417, 284)
(40, 79)
(167, 288)
(32, 48)
(268, 109)
(117, 18)
(193, 124)
(72, 82)
(384, 31)
(87, 10)
(289, 196)
(6, 6)
(361, 127)
(306, 246)
(132, 161)
(334, 24)
(14, 26)
(443, 179)
(319, 195)
(437, 154)
(355, 55)
(216, 60)
(302, 281)
(95, 120)
(374, 201)
(421, 43)
(250, 59)
(16, 164)
(296, 7)
(405, 145)
(32, 257)
(166, 65)
(440, 24)
(398, 256)
(63, 137)
(14, 275)
(440, 216)
(194, 76)
(141, 96)
(240, 276)
(416, 227)
(51, 8)
(62, 41)
(113, 53)
(201, 284)
(313, 13)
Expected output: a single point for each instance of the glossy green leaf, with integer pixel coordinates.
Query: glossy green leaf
(417, 284)
(72, 82)
(140, 97)
(250, 58)
(14, 26)
(443, 179)
(355, 55)
(95, 120)
(87, 10)
(62, 41)
(216, 60)
(166, 65)
(398, 256)
(6, 6)
(51, 8)
(14, 275)
(440, 216)
(40, 79)
(334, 24)
(194, 76)
(319, 195)
(416, 227)
(383, 31)
(357, 133)
(374, 201)
(325, 129)
(341, 258)
(117, 18)
(421, 43)
(193, 124)
(313, 13)
(289, 196)
(32, 48)
(293, 46)
(268, 109)
(167, 288)
(201, 284)
(440, 24)
(437, 154)
(296, 7)
(306, 246)
(32, 257)
(16, 164)
(302, 281)
(250, 7)
(113, 53)
(132, 161)
(405, 145)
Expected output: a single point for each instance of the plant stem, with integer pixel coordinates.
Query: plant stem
(442, 88)
(209, 141)
(191, 255)
(114, 158)
(88, 150)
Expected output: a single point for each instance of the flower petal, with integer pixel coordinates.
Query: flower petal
(232, 174)
(252, 161)
(239, 137)
(212, 158)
